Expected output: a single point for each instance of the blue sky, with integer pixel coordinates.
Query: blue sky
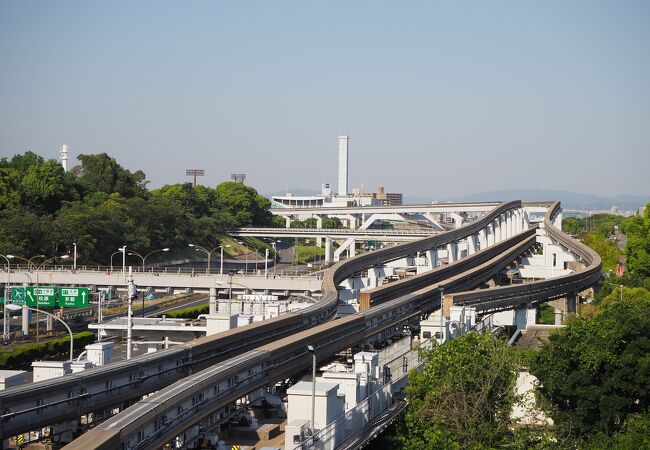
(439, 99)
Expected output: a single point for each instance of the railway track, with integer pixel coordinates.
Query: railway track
(169, 413)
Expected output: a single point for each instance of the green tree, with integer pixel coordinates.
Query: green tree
(332, 223)
(463, 396)
(572, 225)
(596, 371)
(22, 163)
(243, 203)
(9, 188)
(637, 248)
(101, 173)
(43, 186)
(22, 233)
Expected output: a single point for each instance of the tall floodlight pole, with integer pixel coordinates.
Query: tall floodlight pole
(194, 173)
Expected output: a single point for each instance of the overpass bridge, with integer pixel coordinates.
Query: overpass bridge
(70, 396)
(175, 412)
(196, 282)
(364, 216)
(388, 235)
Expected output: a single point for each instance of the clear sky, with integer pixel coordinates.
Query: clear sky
(439, 99)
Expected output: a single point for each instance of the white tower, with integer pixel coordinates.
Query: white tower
(343, 165)
(64, 157)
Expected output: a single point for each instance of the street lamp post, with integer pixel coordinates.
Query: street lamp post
(312, 350)
(114, 253)
(442, 319)
(5, 321)
(74, 260)
(38, 270)
(13, 307)
(28, 261)
(144, 258)
(231, 273)
(620, 286)
(123, 250)
(209, 253)
(275, 255)
(247, 252)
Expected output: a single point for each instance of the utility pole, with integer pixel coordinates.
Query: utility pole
(129, 321)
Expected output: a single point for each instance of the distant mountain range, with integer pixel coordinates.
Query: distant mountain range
(570, 200)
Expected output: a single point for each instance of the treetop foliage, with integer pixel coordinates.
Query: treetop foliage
(102, 206)
(463, 396)
(596, 371)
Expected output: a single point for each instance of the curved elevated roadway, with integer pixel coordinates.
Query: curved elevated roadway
(166, 415)
(28, 407)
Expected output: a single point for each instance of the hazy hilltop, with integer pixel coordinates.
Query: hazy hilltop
(570, 200)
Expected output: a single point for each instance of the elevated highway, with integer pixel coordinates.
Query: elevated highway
(197, 282)
(171, 413)
(69, 397)
(387, 235)
(166, 414)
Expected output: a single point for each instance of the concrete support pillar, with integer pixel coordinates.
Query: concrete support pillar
(502, 228)
(471, 244)
(482, 239)
(490, 234)
(213, 300)
(319, 226)
(572, 302)
(49, 323)
(509, 233)
(558, 316)
(452, 251)
(432, 258)
(352, 249)
(525, 224)
(518, 221)
(352, 221)
(25, 317)
(497, 231)
(328, 251)
(287, 222)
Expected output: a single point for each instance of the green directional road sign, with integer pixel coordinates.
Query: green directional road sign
(18, 295)
(73, 297)
(41, 297)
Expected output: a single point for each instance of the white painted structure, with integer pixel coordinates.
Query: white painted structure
(343, 165)
(64, 157)
(11, 378)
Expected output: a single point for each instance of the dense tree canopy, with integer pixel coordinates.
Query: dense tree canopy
(637, 249)
(596, 371)
(463, 396)
(102, 206)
